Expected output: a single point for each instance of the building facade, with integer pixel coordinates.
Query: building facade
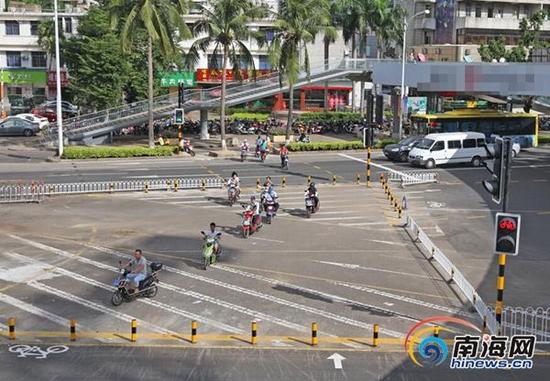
(26, 71)
(456, 28)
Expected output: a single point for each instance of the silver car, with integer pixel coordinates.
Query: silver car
(18, 126)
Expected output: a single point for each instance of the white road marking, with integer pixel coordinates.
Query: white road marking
(423, 191)
(378, 166)
(271, 298)
(359, 267)
(386, 242)
(33, 310)
(363, 223)
(268, 240)
(321, 219)
(196, 295)
(143, 177)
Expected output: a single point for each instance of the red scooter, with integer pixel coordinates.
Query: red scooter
(249, 223)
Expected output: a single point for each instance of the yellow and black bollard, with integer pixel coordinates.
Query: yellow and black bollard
(203, 184)
(111, 187)
(375, 335)
(314, 338)
(72, 331)
(254, 333)
(436, 331)
(500, 287)
(283, 182)
(333, 179)
(357, 178)
(176, 185)
(146, 189)
(11, 328)
(399, 212)
(168, 185)
(133, 336)
(193, 332)
(308, 180)
(258, 184)
(368, 168)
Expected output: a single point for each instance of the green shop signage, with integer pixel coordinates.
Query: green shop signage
(23, 77)
(171, 79)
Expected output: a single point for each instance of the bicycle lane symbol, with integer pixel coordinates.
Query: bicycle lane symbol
(35, 351)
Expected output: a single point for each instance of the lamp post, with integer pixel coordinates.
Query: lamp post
(58, 83)
(404, 54)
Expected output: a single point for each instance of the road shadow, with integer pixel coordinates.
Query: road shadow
(305, 294)
(295, 212)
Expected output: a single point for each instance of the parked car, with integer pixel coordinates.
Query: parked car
(20, 105)
(18, 126)
(65, 106)
(45, 112)
(42, 121)
(400, 151)
(449, 148)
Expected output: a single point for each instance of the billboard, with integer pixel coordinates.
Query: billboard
(417, 105)
(444, 21)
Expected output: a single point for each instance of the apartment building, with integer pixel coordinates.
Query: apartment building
(456, 28)
(26, 70)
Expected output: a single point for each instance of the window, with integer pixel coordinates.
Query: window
(467, 125)
(450, 125)
(427, 39)
(468, 10)
(481, 142)
(454, 144)
(438, 146)
(68, 25)
(14, 59)
(478, 11)
(12, 28)
(264, 63)
(34, 28)
(38, 59)
(490, 12)
(469, 143)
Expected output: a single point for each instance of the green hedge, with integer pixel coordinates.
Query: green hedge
(260, 117)
(325, 146)
(384, 142)
(104, 152)
(330, 117)
(237, 110)
(544, 139)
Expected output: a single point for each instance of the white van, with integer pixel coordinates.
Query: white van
(449, 148)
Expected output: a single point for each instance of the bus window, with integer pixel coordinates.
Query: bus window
(502, 127)
(468, 125)
(526, 126)
(486, 126)
(449, 125)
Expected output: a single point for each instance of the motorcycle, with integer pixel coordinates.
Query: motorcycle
(244, 152)
(270, 211)
(209, 256)
(188, 148)
(147, 287)
(263, 155)
(249, 223)
(232, 195)
(310, 204)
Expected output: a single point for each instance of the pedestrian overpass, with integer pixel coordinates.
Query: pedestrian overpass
(531, 79)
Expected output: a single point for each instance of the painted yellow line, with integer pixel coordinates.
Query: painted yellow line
(544, 213)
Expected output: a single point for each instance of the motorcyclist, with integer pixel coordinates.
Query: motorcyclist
(270, 195)
(216, 235)
(137, 268)
(283, 152)
(259, 142)
(311, 191)
(245, 146)
(255, 206)
(234, 182)
(263, 147)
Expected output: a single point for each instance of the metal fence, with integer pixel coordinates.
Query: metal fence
(411, 177)
(35, 192)
(21, 192)
(526, 321)
(454, 275)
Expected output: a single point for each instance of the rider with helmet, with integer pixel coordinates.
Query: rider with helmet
(255, 206)
(234, 184)
(311, 191)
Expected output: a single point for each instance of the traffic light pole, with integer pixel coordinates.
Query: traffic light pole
(180, 126)
(502, 257)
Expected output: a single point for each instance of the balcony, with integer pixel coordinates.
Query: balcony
(19, 42)
(427, 23)
(506, 23)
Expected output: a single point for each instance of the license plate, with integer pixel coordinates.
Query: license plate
(309, 202)
(246, 223)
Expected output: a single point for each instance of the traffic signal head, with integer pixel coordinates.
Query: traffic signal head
(495, 186)
(178, 118)
(507, 233)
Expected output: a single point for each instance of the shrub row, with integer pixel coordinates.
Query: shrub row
(260, 117)
(544, 139)
(325, 146)
(236, 110)
(104, 152)
(330, 117)
(384, 142)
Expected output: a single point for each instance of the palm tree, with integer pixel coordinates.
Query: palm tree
(386, 21)
(329, 37)
(297, 24)
(46, 38)
(224, 28)
(162, 21)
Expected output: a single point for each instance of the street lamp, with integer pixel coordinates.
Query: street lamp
(58, 83)
(404, 53)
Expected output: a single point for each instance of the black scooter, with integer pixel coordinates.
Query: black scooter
(147, 287)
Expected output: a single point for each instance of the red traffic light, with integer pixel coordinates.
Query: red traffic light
(507, 224)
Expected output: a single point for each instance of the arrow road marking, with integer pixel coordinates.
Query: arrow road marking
(337, 358)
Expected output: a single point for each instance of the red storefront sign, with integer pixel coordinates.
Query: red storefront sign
(52, 78)
(215, 75)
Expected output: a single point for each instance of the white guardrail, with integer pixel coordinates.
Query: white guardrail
(434, 253)
(526, 321)
(411, 177)
(36, 191)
